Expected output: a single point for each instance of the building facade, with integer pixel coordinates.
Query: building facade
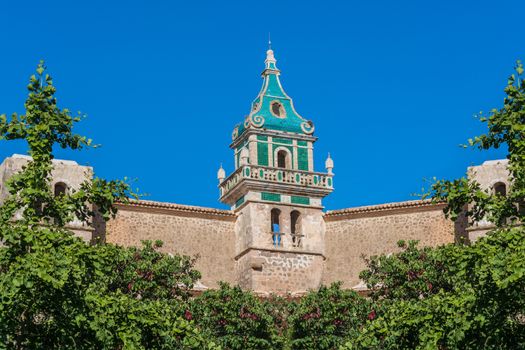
(277, 237)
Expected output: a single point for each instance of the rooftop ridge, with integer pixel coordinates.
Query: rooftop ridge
(177, 207)
(385, 206)
(54, 160)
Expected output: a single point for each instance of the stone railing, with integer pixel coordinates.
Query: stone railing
(279, 241)
(276, 175)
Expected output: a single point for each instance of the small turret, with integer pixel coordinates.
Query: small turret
(221, 174)
(270, 61)
(329, 164)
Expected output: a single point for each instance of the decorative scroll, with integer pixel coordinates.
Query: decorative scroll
(235, 133)
(257, 120)
(307, 127)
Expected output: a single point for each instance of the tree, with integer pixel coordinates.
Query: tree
(146, 273)
(324, 319)
(56, 291)
(413, 273)
(235, 318)
(477, 299)
(506, 127)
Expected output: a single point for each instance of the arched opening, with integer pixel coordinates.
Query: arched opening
(60, 189)
(295, 218)
(500, 188)
(282, 159)
(276, 226)
(278, 110)
(275, 109)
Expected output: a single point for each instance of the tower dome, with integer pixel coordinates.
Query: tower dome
(273, 109)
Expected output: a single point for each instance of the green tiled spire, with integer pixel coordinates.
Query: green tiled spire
(273, 109)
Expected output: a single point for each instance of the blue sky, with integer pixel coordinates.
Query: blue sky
(392, 87)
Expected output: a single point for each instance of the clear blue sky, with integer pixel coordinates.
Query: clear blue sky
(392, 86)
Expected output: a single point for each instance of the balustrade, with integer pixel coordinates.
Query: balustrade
(278, 240)
(277, 175)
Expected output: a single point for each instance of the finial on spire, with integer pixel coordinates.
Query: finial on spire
(329, 164)
(270, 59)
(221, 174)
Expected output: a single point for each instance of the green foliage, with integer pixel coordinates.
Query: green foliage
(280, 309)
(56, 291)
(506, 127)
(147, 273)
(413, 273)
(477, 299)
(483, 309)
(43, 126)
(324, 319)
(123, 322)
(236, 319)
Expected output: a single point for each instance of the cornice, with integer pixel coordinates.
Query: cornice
(274, 133)
(246, 184)
(278, 250)
(145, 205)
(418, 205)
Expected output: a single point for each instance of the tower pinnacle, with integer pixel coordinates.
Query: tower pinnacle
(270, 61)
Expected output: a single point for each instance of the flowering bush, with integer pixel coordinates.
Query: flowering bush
(235, 318)
(324, 319)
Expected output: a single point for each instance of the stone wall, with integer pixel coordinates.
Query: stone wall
(237, 247)
(488, 174)
(268, 271)
(187, 230)
(293, 267)
(65, 172)
(373, 230)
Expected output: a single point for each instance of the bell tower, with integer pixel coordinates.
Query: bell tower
(276, 194)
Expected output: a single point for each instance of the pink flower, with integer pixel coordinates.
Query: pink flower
(372, 315)
(188, 315)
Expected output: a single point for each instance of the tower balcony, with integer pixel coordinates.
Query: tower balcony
(264, 178)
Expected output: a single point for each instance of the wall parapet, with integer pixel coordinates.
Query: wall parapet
(146, 205)
(423, 205)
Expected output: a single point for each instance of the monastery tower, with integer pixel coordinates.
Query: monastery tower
(276, 194)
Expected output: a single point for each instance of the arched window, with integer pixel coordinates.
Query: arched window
(275, 213)
(60, 189)
(282, 159)
(295, 218)
(278, 109)
(500, 188)
(276, 226)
